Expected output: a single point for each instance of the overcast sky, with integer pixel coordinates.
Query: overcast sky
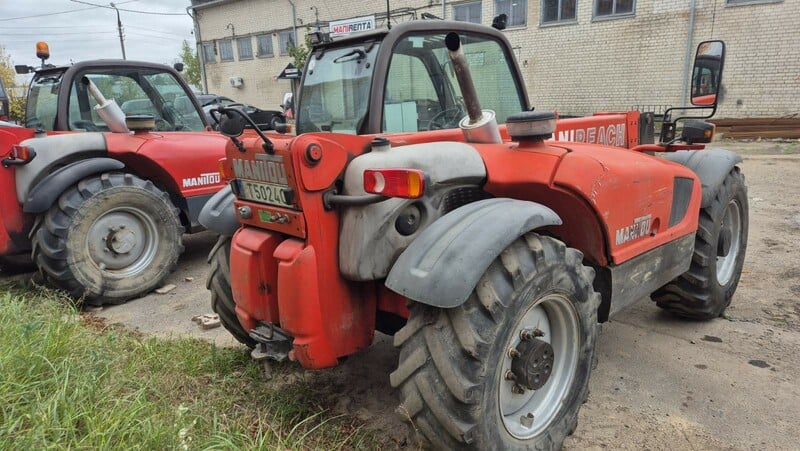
(77, 32)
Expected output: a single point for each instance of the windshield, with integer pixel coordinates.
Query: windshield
(335, 92)
(40, 111)
(137, 92)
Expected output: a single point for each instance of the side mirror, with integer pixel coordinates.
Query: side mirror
(707, 73)
(178, 67)
(23, 69)
(231, 125)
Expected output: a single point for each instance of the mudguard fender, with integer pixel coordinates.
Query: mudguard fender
(219, 213)
(710, 165)
(443, 265)
(45, 193)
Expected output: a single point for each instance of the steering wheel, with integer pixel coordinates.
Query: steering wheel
(89, 126)
(448, 118)
(163, 125)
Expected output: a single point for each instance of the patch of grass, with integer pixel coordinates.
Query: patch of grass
(68, 381)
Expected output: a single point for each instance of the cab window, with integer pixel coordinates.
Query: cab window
(137, 92)
(42, 105)
(422, 92)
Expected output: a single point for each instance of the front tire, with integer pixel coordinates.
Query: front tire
(219, 283)
(705, 291)
(508, 369)
(108, 239)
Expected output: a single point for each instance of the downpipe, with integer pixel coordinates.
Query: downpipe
(479, 126)
(689, 47)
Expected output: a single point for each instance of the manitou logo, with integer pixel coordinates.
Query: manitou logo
(209, 178)
(270, 171)
(613, 135)
(640, 228)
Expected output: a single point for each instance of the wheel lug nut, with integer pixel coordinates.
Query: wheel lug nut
(510, 376)
(538, 333)
(513, 353)
(122, 226)
(526, 420)
(517, 389)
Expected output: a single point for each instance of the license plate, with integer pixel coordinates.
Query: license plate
(264, 192)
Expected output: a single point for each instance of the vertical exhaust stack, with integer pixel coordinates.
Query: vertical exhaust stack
(108, 110)
(479, 126)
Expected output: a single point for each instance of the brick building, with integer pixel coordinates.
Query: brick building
(577, 56)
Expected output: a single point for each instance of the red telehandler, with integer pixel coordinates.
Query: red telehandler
(99, 194)
(490, 252)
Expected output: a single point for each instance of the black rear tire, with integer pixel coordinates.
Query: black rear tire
(219, 283)
(452, 365)
(108, 239)
(699, 293)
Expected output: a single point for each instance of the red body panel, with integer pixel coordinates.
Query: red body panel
(184, 162)
(14, 221)
(329, 317)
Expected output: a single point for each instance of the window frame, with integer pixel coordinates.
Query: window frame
(734, 3)
(467, 5)
(268, 37)
(559, 20)
(281, 50)
(249, 40)
(510, 23)
(229, 43)
(209, 45)
(614, 14)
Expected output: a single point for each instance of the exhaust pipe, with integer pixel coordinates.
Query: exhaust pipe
(479, 126)
(108, 110)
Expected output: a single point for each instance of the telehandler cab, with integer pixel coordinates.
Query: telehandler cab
(490, 252)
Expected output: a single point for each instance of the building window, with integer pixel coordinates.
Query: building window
(264, 43)
(285, 40)
(226, 50)
(467, 12)
(610, 8)
(245, 48)
(209, 53)
(558, 11)
(515, 10)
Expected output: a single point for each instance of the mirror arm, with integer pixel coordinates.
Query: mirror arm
(266, 145)
(670, 125)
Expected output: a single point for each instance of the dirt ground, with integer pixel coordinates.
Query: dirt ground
(660, 382)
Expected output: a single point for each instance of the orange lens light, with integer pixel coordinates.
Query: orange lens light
(221, 166)
(405, 183)
(42, 50)
(21, 153)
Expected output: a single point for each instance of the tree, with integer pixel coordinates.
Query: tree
(300, 52)
(16, 94)
(191, 64)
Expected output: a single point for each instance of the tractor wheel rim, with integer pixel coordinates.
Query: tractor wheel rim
(732, 225)
(528, 413)
(123, 241)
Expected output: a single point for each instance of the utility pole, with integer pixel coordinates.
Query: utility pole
(119, 28)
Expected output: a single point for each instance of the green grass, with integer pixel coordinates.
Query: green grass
(69, 381)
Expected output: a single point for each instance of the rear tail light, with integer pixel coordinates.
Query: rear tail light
(222, 166)
(405, 183)
(21, 153)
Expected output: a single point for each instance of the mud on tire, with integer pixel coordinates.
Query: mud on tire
(108, 239)
(452, 370)
(219, 283)
(706, 289)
